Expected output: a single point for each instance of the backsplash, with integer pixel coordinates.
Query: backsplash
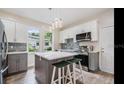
(90, 45)
(80, 46)
(16, 47)
(73, 46)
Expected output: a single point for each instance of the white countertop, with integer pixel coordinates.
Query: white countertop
(95, 51)
(84, 53)
(17, 52)
(55, 55)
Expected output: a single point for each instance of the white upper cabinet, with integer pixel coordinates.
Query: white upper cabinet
(68, 33)
(9, 30)
(62, 37)
(86, 27)
(21, 33)
(16, 32)
(93, 28)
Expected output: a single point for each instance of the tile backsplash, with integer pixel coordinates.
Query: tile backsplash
(16, 47)
(86, 46)
(94, 45)
(73, 46)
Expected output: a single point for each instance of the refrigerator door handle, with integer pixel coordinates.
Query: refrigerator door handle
(3, 70)
(6, 47)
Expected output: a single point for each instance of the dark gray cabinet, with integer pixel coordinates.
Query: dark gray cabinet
(17, 63)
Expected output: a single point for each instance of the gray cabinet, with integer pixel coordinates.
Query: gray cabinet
(94, 61)
(22, 62)
(17, 63)
(12, 63)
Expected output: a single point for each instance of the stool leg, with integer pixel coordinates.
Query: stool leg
(53, 75)
(81, 70)
(59, 75)
(74, 78)
(69, 73)
(66, 75)
(63, 75)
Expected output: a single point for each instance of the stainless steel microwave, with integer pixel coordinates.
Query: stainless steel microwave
(84, 36)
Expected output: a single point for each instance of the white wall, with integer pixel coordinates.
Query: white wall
(107, 19)
(31, 59)
(55, 40)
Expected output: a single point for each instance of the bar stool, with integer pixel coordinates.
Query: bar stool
(61, 76)
(74, 62)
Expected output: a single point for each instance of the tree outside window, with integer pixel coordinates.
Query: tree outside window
(33, 40)
(48, 41)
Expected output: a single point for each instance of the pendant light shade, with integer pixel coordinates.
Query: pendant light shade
(56, 23)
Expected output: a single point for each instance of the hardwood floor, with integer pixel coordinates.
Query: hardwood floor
(89, 78)
(22, 78)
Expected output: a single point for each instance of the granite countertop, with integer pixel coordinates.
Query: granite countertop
(55, 55)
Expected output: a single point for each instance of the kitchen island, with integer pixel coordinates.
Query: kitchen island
(44, 61)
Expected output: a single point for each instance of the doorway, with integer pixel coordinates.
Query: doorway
(107, 49)
(33, 45)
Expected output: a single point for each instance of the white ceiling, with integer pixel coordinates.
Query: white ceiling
(68, 15)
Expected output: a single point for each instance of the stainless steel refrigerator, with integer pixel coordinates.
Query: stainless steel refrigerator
(3, 52)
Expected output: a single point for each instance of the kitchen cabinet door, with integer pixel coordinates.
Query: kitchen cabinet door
(69, 33)
(22, 65)
(93, 26)
(62, 37)
(9, 30)
(21, 33)
(12, 63)
(17, 63)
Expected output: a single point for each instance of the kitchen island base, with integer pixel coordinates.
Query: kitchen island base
(44, 68)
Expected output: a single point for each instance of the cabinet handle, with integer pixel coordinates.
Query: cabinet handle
(16, 66)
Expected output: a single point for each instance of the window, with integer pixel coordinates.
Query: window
(33, 40)
(48, 41)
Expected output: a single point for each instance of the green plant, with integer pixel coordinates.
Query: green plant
(48, 49)
(31, 49)
(48, 36)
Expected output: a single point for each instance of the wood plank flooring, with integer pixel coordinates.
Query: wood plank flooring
(89, 78)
